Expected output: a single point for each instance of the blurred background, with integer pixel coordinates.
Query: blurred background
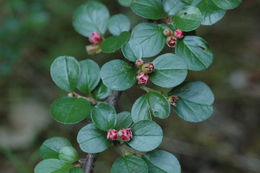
(34, 32)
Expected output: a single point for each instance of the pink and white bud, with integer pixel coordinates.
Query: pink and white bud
(167, 32)
(139, 62)
(171, 41)
(125, 134)
(112, 134)
(148, 67)
(142, 78)
(95, 37)
(178, 34)
(93, 49)
(173, 100)
(72, 95)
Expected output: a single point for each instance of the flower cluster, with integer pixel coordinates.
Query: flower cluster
(144, 70)
(172, 36)
(95, 39)
(124, 134)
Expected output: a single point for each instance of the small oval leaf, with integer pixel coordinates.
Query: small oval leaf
(173, 6)
(227, 4)
(118, 23)
(124, 120)
(101, 92)
(51, 165)
(113, 43)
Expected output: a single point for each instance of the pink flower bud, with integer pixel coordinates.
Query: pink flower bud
(112, 134)
(171, 41)
(142, 78)
(167, 32)
(178, 34)
(93, 49)
(126, 134)
(95, 38)
(173, 100)
(139, 62)
(148, 67)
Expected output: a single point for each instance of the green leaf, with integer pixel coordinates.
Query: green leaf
(150, 104)
(132, 51)
(160, 161)
(92, 140)
(170, 70)
(52, 166)
(70, 110)
(188, 19)
(124, 120)
(210, 12)
(227, 4)
(173, 6)
(104, 116)
(89, 77)
(129, 164)
(118, 75)
(196, 53)
(150, 9)
(65, 72)
(91, 17)
(195, 101)
(68, 154)
(126, 3)
(147, 135)
(118, 23)
(192, 2)
(76, 170)
(101, 92)
(52, 146)
(113, 43)
(149, 37)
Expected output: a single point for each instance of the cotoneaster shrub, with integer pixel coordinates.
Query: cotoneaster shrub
(93, 91)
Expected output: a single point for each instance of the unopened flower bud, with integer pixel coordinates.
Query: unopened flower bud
(142, 78)
(178, 34)
(95, 37)
(173, 100)
(93, 49)
(171, 41)
(167, 32)
(125, 134)
(72, 95)
(148, 67)
(139, 62)
(112, 134)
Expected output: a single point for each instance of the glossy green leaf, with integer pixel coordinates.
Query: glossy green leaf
(150, 9)
(76, 170)
(195, 101)
(113, 43)
(118, 75)
(118, 23)
(147, 135)
(126, 3)
(52, 166)
(104, 116)
(91, 17)
(188, 19)
(89, 77)
(160, 161)
(65, 72)
(132, 51)
(101, 92)
(149, 37)
(227, 4)
(70, 110)
(129, 164)
(196, 53)
(124, 120)
(192, 2)
(173, 6)
(210, 12)
(92, 140)
(150, 104)
(52, 146)
(170, 70)
(68, 154)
